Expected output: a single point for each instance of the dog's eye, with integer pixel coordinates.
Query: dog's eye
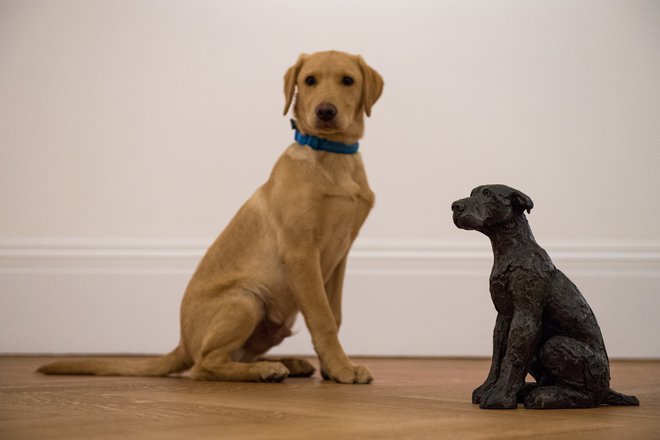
(487, 192)
(347, 81)
(310, 80)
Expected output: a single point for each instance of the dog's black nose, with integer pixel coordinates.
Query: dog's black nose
(326, 112)
(457, 206)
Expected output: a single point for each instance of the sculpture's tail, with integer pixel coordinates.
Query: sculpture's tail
(617, 399)
(173, 362)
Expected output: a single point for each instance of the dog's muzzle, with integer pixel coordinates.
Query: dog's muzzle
(326, 112)
(460, 218)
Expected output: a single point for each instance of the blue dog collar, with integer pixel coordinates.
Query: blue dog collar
(317, 143)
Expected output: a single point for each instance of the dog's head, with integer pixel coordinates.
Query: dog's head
(490, 205)
(335, 89)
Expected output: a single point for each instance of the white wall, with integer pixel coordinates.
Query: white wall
(130, 130)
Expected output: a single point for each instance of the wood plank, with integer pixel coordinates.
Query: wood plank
(411, 398)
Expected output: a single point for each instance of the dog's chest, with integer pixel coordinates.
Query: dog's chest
(346, 205)
(501, 296)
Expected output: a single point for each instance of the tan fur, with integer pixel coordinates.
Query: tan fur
(284, 251)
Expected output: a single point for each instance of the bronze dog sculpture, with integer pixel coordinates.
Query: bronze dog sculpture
(544, 325)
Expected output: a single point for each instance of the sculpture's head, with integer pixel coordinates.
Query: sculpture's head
(490, 205)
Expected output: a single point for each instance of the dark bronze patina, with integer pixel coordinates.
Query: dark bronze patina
(544, 325)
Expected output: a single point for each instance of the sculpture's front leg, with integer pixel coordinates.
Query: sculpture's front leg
(521, 345)
(500, 334)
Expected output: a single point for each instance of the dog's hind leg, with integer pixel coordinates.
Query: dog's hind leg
(556, 397)
(537, 371)
(237, 315)
(268, 334)
(571, 375)
(296, 367)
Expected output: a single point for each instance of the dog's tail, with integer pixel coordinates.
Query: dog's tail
(174, 362)
(617, 399)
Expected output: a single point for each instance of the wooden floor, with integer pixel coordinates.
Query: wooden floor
(411, 398)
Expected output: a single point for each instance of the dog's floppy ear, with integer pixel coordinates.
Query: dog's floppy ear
(372, 85)
(521, 202)
(290, 79)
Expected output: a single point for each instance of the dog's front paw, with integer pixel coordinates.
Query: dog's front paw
(350, 374)
(498, 400)
(480, 391)
(362, 374)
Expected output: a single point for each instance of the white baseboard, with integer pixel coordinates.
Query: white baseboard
(401, 298)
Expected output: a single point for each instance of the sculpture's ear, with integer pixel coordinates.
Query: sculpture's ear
(290, 79)
(372, 85)
(521, 202)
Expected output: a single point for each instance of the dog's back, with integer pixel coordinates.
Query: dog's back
(567, 313)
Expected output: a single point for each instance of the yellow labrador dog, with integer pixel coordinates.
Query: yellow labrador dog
(285, 250)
